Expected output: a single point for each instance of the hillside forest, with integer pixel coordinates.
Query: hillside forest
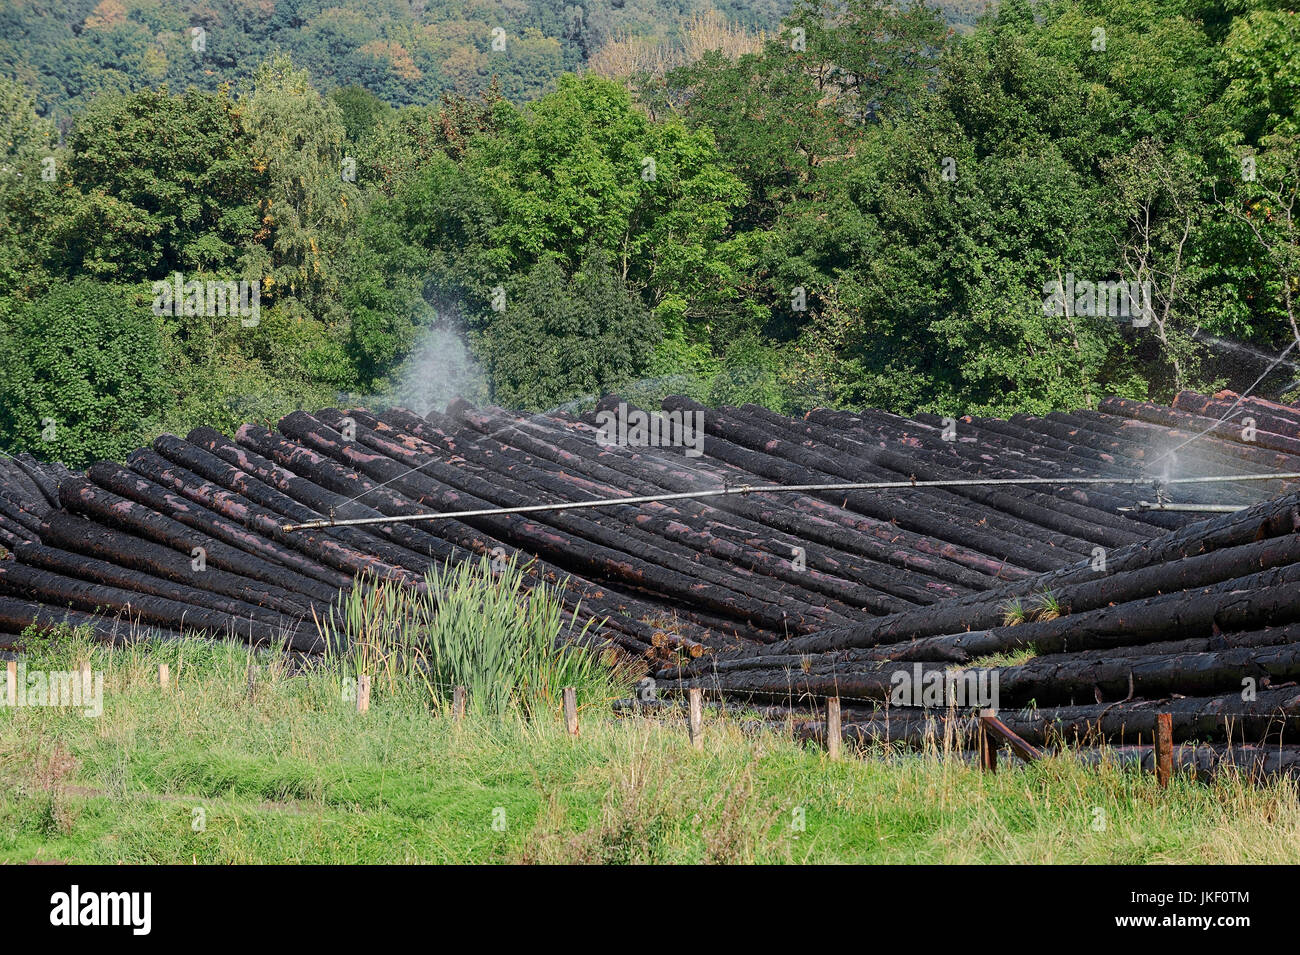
(217, 212)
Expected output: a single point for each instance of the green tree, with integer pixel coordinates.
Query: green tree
(558, 338)
(28, 155)
(163, 184)
(308, 206)
(81, 374)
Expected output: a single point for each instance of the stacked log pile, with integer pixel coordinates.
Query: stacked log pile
(753, 596)
(1202, 622)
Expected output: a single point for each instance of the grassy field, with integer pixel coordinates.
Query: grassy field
(202, 773)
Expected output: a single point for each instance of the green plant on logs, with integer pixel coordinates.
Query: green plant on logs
(513, 648)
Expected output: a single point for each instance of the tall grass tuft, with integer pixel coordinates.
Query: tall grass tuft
(513, 648)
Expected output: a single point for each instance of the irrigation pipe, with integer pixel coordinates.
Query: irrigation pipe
(744, 489)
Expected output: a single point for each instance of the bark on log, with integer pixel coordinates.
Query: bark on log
(79, 566)
(318, 580)
(29, 582)
(76, 534)
(81, 496)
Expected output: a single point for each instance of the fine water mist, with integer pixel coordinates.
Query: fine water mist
(439, 369)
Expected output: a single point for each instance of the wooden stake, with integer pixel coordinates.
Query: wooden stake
(363, 693)
(833, 727)
(11, 682)
(695, 725)
(1164, 748)
(999, 731)
(571, 710)
(988, 746)
(251, 677)
(164, 676)
(458, 703)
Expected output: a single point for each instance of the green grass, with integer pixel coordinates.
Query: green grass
(297, 775)
(471, 626)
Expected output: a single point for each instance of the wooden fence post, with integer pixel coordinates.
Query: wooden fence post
(571, 710)
(250, 677)
(1164, 748)
(457, 703)
(363, 693)
(695, 724)
(833, 734)
(11, 682)
(988, 746)
(998, 731)
(164, 676)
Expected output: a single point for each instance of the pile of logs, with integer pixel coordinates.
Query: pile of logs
(1202, 622)
(754, 597)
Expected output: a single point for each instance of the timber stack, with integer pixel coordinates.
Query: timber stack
(1096, 611)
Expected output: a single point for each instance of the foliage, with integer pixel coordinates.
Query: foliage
(81, 373)
(513, 649)
(851, 206)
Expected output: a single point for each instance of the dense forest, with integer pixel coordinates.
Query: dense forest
(836, 202)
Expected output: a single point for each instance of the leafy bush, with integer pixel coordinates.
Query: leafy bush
(81, 373)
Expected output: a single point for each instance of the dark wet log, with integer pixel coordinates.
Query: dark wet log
(1092, 508)
(901, 557)
(17, 616)
(563, 548)
(321, 549)
(17, 522)
(1174, 453)
(1269, 415)
(78, 535)
(390, 540)
(1054, 679)
(735, 538)
(515, 483)
(1256, 763)
(210, 467)
(627, 529)
(57, 590)
(1230, 442)
(119, 480)
(719, 666)
(12, 535)
(102, 572)
(469, 543)
(38, 476)
(919, 520)
(113, 510)
(1062, 678)
(18, 514)
(686, 522)
(973, 447)
(1265, 599)
(984, 611)
(1037, 516)
(457, 541)
(1273, 717)
(19, 484)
